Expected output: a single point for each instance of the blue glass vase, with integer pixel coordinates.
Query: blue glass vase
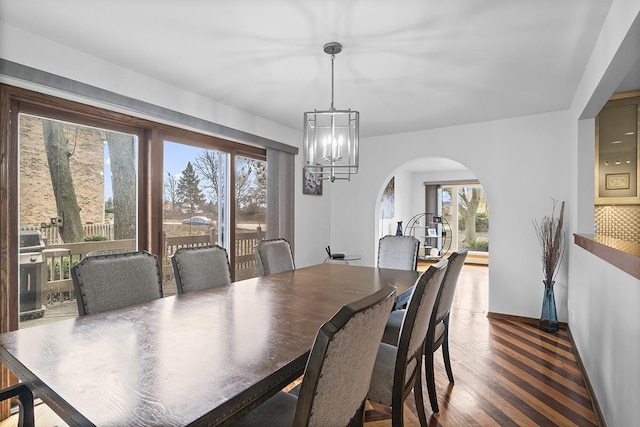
(549, 317)
(399, 229)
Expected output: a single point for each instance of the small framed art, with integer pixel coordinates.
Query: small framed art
(311, 184)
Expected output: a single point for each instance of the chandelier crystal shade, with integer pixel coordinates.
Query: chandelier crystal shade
(331, 137)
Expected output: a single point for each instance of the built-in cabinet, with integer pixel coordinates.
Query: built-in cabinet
(617, 154)
(617, 174)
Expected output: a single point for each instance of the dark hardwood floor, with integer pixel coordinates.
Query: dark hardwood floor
(506, 373)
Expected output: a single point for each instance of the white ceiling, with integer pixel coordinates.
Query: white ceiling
(406, 65)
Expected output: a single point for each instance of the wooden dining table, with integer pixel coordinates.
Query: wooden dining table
(201, 358)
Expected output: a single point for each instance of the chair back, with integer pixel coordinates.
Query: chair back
(448, 288)
(339, 368)
(274, 256)
(109, 282)
(110, 251)
(398, 252)
(415, 326)
(203, 267)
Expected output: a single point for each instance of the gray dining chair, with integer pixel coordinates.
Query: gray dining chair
(112, 281)
(398, 368)
(26, 417)
(338, 371)
(438, 332)
(110, 251)
(398, 252)
(203, 267)
(274, 256)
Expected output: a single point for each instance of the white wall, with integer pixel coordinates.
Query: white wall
(522, 163)
(405, 196)
(46, 55)
(605, 324)
(603, 301)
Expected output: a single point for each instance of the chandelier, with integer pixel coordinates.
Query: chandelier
(331, 137)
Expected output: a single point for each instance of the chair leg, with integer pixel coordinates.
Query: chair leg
(431, 380)
(445, 350)
(397, 409)
(417, 395)
(358, 418)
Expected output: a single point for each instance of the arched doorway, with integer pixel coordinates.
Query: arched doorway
(460, 200)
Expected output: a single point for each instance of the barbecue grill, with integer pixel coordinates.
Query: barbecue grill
(31, 277)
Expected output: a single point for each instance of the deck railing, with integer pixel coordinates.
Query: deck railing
(59, 258)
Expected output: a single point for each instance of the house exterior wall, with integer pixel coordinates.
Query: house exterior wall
(37, 200)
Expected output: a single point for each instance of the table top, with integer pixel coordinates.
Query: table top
(192, 359)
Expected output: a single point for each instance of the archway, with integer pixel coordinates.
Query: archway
(409, 199)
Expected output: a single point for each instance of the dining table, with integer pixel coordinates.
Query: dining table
(199, 358)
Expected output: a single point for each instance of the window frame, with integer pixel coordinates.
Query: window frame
(151, 136)
(478, 257)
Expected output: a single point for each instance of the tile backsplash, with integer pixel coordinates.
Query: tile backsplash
(620, 222)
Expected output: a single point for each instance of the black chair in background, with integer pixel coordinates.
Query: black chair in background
(26, 416)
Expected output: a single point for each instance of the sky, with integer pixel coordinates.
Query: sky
(176, 157)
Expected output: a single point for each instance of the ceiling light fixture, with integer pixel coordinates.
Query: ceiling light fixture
(331, 136)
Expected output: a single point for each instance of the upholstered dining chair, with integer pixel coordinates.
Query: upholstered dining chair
(398, 368)
(109, 282)
(398, 252)
(338, 371)
(438, 332)
(274, 256)
(203, 267)
(26, 416)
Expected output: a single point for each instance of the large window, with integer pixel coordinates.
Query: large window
(465, 208)
(92, 180)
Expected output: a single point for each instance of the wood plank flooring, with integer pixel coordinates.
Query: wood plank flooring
(506, 373)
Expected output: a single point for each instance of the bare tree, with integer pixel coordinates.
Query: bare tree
(123, 182)
(243, 182)
(58, 154)
(469, 200)
(260, 190)
(171, 190)
(208, 167)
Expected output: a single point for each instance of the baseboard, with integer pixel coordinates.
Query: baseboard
(587, 382)
(522, 319)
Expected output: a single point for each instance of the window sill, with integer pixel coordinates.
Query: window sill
(619, 253)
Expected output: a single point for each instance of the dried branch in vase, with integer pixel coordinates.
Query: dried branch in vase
(551, 237)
